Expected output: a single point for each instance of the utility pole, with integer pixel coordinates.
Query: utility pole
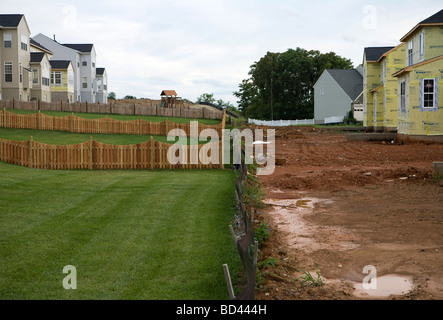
(272, 111)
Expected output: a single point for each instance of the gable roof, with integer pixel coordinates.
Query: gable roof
(82, 47)
(100, 71)
(374, 53)
(411, 68)
(37, 56)
(351, 81)
(38, 45)
(168, 93)
(10, 20)
(60, 64)
(435, 19)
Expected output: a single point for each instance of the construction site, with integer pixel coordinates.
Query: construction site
(350, 213)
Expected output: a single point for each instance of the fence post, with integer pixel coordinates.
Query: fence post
(30, 165)
(152, 152)
(229, 282)
(90, 153)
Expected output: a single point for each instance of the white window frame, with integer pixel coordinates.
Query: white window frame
(432, 94)
(410, 53)
(422, 44)
(55, 81)
(403, 96)
(24, 42)
(7, 65)
(7, 39)
(85, 83)
(35, 76)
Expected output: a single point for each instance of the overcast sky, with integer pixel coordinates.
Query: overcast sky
(208, 46)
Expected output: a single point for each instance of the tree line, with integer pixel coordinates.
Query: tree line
(281, 85)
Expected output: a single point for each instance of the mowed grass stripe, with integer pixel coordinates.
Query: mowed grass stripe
(131, 235)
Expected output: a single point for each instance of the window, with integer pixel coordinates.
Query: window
(56, 78)
(428, 93)
(8, 71)
(422, 44)
(7, 39)
(93, 64)
(322, 91)
(85, 82)
(45, 81)
(35, 76)
(21, 73)
(24, 43)
(410, 53)
(403, 96)
(84, 63)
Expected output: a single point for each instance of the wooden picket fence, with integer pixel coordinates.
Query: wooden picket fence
(96, 155)
(106, 125)
(148, 108)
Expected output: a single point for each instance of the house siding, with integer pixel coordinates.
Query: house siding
(334, 102)
(415, 120)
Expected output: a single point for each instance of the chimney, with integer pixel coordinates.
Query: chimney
(54, 38)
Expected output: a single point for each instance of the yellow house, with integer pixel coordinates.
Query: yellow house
(62, 81)
(386, 93)
(372, 95)
(420, 106)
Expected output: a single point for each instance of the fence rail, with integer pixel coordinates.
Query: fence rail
(96, 155)
(106, 125)
(148, 108)
(281, 123)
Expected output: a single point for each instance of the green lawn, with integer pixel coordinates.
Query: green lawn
(117, 116)
(130, 234)
(67, 138)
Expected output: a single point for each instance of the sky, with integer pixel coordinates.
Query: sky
(208, 46)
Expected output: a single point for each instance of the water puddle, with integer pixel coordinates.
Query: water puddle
(384, 286)
(290, 217)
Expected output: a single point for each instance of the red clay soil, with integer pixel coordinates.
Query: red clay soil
(373, 203)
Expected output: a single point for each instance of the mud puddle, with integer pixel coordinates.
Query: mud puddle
(383, 287)
(289, 216)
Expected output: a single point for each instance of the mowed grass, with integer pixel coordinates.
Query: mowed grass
(151, 235)
(68, 138)
(118, 117)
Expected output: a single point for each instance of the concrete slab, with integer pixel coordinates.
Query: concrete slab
(372, 136)
(438, 167)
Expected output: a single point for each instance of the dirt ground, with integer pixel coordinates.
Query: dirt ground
(336, 206)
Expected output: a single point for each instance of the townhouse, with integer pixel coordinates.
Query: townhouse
(420, 83)
(16, 78)
(62, 81)
(25, 64)
(83, 59)
(41, 69)
(401, 84)
(102, 85)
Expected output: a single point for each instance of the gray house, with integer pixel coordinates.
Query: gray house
(83, 58)
(336, 92)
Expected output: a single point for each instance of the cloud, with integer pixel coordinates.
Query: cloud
(200, 46)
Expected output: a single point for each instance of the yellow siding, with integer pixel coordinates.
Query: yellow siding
(415, 121)
(64, 86)
(394, 62)
(371, 81)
